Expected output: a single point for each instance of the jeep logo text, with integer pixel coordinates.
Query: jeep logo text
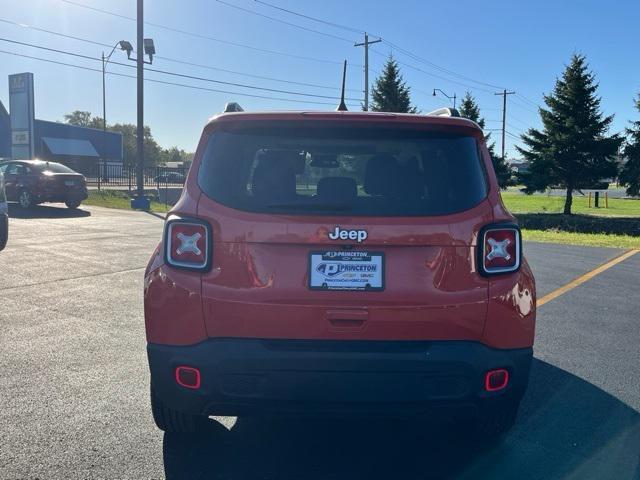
(339, 234)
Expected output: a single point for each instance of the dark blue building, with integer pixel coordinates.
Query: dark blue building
(78, 147)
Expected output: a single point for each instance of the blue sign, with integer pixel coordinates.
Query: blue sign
(21, 114)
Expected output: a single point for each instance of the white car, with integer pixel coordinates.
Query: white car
(4, 215)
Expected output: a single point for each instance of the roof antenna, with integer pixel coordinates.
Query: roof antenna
(343, 107)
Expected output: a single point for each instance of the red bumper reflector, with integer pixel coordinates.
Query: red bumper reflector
(188, 377)
(496, 380)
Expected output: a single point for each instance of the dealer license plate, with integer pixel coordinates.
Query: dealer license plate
(346, 270)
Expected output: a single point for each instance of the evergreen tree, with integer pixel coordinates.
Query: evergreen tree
(390, 92)
(630, 174)
(572, 150)
(469, 109)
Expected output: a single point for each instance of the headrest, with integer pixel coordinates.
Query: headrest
(338, 189)
(273, 179)
(382, 175)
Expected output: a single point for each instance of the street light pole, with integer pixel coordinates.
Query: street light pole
(105, 59)
(449, 97)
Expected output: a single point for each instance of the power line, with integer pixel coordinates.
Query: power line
(207, 37)
(251, 75)
(175, 74)
(174, 60)
(63, 35)
(516, 137)
(391, 44)
(253, 87)
(253, 12)
(326, 22)
(512, 117)
(530, 102)
(431, 74)
(438, 67)
(523, 106)
(194, 87)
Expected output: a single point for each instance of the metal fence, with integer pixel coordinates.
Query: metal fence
(106, 176)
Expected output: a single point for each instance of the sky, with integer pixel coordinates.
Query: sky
(454, 46)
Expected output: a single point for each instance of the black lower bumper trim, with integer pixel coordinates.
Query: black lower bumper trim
(243, 376)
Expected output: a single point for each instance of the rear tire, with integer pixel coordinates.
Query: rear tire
(72, 204)
(496, 422)
(25, 199)
(174, 421)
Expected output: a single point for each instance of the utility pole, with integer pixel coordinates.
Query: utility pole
(145, 46)
(104, 122)
(140, 77)
(366, 44)
(504, 94)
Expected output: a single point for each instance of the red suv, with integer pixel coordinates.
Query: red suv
(358, 263)
(30, 182)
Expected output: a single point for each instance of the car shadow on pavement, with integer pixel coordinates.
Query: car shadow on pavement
(567, 428)
(46, 211)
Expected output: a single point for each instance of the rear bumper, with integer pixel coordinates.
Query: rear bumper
(244, 376)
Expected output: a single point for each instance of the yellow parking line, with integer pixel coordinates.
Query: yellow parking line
(583, 278)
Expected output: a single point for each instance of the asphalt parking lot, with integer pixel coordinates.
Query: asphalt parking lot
(74, 381)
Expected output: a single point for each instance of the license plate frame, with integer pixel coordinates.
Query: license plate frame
(346, 281)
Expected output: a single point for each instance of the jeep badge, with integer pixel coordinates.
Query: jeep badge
(339, 234)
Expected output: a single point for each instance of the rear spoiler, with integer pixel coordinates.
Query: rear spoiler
(445, 112)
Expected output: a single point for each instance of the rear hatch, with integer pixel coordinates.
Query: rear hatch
(69, 181)
(60, 178)
(336, 230)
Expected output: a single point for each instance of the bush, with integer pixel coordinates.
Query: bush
(580, 223)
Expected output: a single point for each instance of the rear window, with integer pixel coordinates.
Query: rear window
(342, 171)
(55, 168)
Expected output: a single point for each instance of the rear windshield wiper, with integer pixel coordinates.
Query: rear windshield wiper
(311, 206)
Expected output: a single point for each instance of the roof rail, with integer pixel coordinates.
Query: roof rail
(445, 112)
(232, 107)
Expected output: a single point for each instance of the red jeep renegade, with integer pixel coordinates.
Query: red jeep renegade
(333, 263)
